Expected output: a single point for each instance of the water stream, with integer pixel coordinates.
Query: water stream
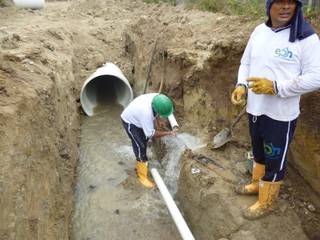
(110, 202)
(175, 147)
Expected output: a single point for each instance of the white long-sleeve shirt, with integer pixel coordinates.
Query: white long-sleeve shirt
(139, 112)
(294, 66)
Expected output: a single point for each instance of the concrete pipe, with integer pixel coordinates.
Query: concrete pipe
(33, 4)
(106, 80)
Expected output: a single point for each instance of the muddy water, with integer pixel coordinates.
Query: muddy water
(110, 203)
(174, 148)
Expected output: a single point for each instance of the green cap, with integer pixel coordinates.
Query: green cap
(162, 105)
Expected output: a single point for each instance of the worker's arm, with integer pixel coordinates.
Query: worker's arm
(309, 80)
(155, 133)
(239, 94)
(159, 134)
(243, 72)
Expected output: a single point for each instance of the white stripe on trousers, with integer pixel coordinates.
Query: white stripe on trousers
(139, 151)
(284, 152)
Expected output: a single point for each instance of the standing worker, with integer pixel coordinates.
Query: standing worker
(138, 119)
(281, 61)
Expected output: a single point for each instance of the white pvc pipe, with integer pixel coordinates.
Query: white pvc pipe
(108, 72)
(33, 4)
(173, 209)
(173, 122)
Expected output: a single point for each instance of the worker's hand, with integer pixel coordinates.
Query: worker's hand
(175, 129)
(238, 96)
(173, 133)
(261, 85)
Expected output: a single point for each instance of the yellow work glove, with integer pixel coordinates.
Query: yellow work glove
(261, 85)
(239, 95)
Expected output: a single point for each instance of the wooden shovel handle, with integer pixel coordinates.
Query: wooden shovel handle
(236, 120)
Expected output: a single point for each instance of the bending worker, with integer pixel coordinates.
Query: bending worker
(281, 61)
(138, 119)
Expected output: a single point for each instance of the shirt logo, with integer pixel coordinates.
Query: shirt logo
(284, 53)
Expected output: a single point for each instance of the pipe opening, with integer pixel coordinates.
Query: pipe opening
(101, 90)
(107, 84)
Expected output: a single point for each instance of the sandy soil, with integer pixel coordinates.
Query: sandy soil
(46, 55)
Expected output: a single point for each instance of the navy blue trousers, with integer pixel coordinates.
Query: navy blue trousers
(138, 139)
(270, 141)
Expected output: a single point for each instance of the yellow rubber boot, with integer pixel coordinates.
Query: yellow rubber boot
(268, 196)
(142, 173)
(258, 172)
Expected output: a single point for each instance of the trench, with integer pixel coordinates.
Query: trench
(110, 202)
(39, 119)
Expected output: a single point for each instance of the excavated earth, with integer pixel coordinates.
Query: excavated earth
(46, 55)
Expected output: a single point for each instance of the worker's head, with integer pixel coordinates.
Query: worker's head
(281, 12)
(162, 105)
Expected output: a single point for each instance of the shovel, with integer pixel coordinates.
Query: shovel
(225, 134)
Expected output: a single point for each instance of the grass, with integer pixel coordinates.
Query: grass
(229, 7)
(254, 8)
(251, 8)
(172, 2)
(4, 3)
(313, 16)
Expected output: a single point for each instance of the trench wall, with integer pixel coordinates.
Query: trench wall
(197, 57)
(44, 58)
(39, 128)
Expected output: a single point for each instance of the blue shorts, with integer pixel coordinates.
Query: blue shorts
(138, 139)
(270, 141)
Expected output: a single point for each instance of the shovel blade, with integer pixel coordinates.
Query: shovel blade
(221, 138)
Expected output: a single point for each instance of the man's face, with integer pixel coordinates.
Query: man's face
(281, 12)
